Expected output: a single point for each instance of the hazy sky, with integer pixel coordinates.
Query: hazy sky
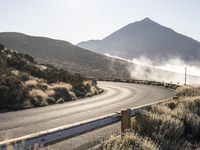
(80, 20)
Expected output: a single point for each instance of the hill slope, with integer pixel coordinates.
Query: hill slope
(25, 83)
(147, 38)
(65, 55)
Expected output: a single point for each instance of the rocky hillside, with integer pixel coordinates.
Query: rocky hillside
(65, 55)
(24, 83)
(150, 39)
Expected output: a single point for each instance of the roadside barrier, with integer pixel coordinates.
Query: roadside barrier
(54, 135)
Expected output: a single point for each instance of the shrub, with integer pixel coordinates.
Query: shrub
(171, 105)
(192, 126)
(38, 101)
(61, 85)
(38, 97)
(24, 76)
(50, 93)
(12, 93)
(3, 63)
(160, 127)
(43, 86)
(51, 100)
(2, 47)
(130, 141)
(61, 90)
(81, 90)
(30, 84)
(188, 91)
(161, 109)
(37, 93)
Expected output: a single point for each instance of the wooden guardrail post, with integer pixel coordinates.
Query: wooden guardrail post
(125, 120)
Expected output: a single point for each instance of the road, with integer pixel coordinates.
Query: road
(117, 96)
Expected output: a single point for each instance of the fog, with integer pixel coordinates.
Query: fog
(173, 70)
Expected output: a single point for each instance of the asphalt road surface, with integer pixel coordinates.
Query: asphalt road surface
(117, 96)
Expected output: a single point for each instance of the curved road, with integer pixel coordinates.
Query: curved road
(117, 96)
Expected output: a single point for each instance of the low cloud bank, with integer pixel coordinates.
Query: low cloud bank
(173, 70)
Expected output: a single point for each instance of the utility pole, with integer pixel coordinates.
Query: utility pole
(185, 75)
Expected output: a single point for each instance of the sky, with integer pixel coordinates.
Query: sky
(80, 20)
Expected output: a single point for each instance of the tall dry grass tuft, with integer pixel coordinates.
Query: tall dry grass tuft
(154, 124)
(61, 90)
(38, 97)
(31, 84)
(188, 91)
(161, 109)
(36, 92)
(192, 104)
(61, 85)
(130, 141)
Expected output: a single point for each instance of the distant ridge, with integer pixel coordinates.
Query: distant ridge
(65, 55)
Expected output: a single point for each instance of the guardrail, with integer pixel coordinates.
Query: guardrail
(43, 138)
(167, 85)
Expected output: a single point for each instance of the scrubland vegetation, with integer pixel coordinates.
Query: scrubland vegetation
(173, 125)
(24, 83)
(146, 82)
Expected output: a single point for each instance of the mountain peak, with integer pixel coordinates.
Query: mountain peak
(146, 20)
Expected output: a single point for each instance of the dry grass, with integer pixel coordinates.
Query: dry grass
(87, 83)
(61, 90)
(50, 93)
(188, 91)
(41, 67)
(130, 141)
(172, 125)
(61, 85)
(192, 104)
(38, 98)
(154, 124)
(37, 93)
(31, 84)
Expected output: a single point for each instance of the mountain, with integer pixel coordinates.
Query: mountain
(78, 60)
(65, 55)
(149, 39)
